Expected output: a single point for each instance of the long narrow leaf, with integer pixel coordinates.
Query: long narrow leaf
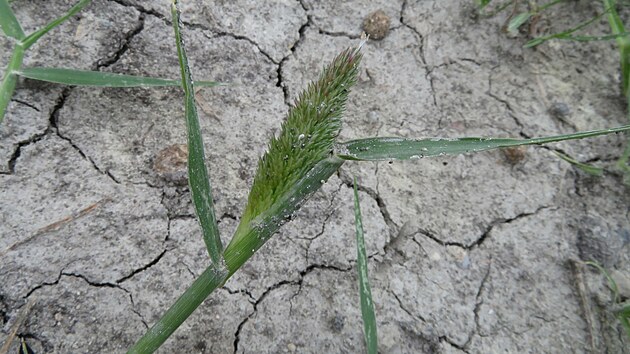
(605, 37)
(10, 25)
(611, 282)
(564, 34)
(198, 178)
(590, 169)
(616, 25)
(33, 37)
(365, 294)
(97, 78)
(518, 21)
(6, 92)
(10, 80)
(614, 20)
(624, 318)
(483, 3)
(377, 149)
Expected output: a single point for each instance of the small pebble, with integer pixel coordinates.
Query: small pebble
(514, 155)
(292, 348)
(376, 24)
(560, 110)
(171, 162)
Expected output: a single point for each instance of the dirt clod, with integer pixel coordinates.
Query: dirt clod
(170, 163)
(560, 110)
(376, 24)
(514, 155)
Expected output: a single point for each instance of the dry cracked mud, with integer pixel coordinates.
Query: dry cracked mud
(477, 253)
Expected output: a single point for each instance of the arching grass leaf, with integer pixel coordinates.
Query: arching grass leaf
(378, 149)
(590, 169)
(35, 36)
(100, 79)
(10, 25)
(198, 178)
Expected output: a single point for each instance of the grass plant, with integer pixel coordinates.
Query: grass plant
(298, 161)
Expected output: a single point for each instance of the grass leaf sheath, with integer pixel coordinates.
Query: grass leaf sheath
(198, 178)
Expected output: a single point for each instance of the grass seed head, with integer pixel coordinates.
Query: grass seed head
(307, 134)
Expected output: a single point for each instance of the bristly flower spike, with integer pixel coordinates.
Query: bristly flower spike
(306, 138)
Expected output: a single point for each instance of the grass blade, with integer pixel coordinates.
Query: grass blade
(101, 79)
(33, 37)
(565, 34)
(6, 92)
(616, 25)
(9, 24)
(377, 149)
(518, 21)
(611, 282)
(198, 178)
(624, 318)
(7, 87)
(590, 169)
(367, 307)
(605, 37)
(483, 3)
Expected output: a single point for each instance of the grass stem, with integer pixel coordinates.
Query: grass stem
(205, 284)
(10, 79)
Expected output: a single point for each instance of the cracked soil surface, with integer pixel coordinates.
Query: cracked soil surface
(477, 253)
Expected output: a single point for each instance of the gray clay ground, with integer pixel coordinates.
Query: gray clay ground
(469, 254)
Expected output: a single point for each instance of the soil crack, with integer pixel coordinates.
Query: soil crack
(274, 287)
(25, 104)
(124, 45)
(280, 79)
(481, 239)
(142, 269)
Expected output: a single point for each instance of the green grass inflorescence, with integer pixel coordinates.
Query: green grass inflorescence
(307, 135)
